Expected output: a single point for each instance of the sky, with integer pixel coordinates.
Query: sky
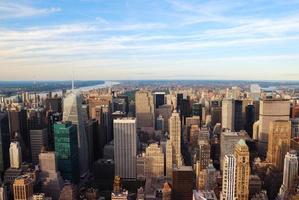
(149, 39)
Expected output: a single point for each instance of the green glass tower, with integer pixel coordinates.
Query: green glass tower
(66, 150)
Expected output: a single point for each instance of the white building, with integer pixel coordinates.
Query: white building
(15, 155)
(125, 147)
(229, 178)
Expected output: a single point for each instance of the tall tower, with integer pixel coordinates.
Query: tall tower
(290, 171)
(279, 142)
(125, 147)
(15, 155)
(169, 161)
(242, 170)
(144, 109)
(175, 137)
(270, 110)
(229, 178)
(73, 112)
(228, 111)
(66, 150)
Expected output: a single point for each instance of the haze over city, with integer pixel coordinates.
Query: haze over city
(167, 39)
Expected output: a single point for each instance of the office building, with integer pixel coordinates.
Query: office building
(242, 170)
(69, 192)
(169, 159)
(38, 139)
(73, 112)
(182, 183)
(228, 141)
(278, 142)
(159, 99)
(125, 147)
(160, 123)
(270, 110)
(144, 109)
(49, 176)
(175, 137)
(228, 111)
(66, 150)
(290, 172)
(154, 161)
(15, 155)
(23, 188)
(165, 111)
(4, 142)
(229, 178)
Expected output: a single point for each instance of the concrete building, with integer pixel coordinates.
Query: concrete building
(23, 188)
(49, 176)
(175, 137)
(165, 111)
(278, 142)
(270, 110)
(15, 155)
(169, 159)
(228, 111)
(290, 172)
(229, 178)
(242, 170)
(154, 161)
(144, 109)
(125, 147)
(228, 141)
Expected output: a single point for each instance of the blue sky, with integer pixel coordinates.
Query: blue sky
(149, 39)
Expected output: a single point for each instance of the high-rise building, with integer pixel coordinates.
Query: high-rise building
(144, 109)
(154, 161)
(15, 155)
(165, 111)
(182, 183)
(232, 114)
(18, 128)
(249, 119)
(38, 139)
(23, 188)
(228, 141)
(54, 104)
(66, 150)
(125, 147)
(242, 170)
(69, 192)
(229, 178)
(169, 159)
(197, 109)
(270, 110)
(290, 172)
(159, 99)
(160, 123)
(73, 112)
(51, 181)
(166, 192)
(228, 111)
(4, 142)
(278, 142)
(3, 192)
(203, 155)
(194, 133)
(207, 178)
(175, 137)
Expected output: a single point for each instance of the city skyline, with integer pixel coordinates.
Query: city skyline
(135, 40)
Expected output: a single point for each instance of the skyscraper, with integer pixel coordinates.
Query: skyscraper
(278, 142)
(125, 147)
(229, 178)
(38, 139)
(23, 188)
(169, 159)
(66, 150)
(290, 172)
(15, 155)
(73, 112)
(182, 183)
(144, 109)
(228, 111)
(242, 170)
(175, 137)
(4, 142)
(159, 99)
(270, 110)
(51, 181)
(154, 166)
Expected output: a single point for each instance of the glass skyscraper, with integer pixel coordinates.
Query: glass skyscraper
(66, 150)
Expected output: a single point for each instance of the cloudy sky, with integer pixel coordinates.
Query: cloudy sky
(149, 39)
